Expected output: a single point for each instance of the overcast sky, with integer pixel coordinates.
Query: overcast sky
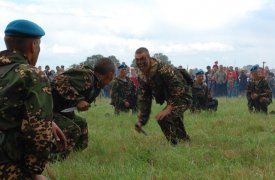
(191, 33)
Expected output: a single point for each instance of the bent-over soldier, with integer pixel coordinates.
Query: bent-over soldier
(166, 84)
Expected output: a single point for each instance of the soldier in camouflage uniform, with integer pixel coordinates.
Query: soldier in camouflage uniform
(202, 99)
(164, 83)
(123, 96)
(258, 92)
(26, 129)
(78, 88)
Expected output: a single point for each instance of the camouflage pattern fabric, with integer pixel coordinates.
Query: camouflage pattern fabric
(262, 89)
(123, 91)
(165, 83)
(26, 117)
(202, 99)
(68, 89)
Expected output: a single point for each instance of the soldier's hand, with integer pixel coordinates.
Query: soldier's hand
(39, 177)
(162, 114)
(138, 126)
(126, 104)
(83, 105)
(59, 137)
(254, 96)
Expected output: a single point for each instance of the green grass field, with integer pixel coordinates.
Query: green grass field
(228, 144)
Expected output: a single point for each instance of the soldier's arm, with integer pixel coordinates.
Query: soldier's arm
(144, 103)
(71, 85)
(37, 125)
(249, 88)
(267, 92)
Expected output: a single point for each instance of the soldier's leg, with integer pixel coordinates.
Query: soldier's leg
(11, 171)
(250, 105)
(181, 132)
(82, 142)
(212, 104)
(173, 129)
(71, 131)
(264, 102)
(168, 130)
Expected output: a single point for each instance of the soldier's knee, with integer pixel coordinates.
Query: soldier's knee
(264, 101)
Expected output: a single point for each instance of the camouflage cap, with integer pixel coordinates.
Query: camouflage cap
(24, 28)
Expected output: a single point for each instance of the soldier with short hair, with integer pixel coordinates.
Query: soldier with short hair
(26, 127)
(164, 83)
(76, 89)
(202, 99)
(123, 93)
(258, 92)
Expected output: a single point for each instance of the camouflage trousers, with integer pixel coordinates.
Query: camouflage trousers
(259, 105)
(173, 128)
(12, 171)
(75, 129)
(211, 105)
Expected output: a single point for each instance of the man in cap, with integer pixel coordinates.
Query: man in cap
(123, 93)
(202, 99)
(164, 83)
(26, 128)
(258, 92)
(75, 89)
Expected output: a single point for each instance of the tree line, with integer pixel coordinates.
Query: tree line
(92, 59)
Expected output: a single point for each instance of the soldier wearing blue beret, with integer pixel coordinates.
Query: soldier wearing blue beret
(124, 92)
(25, 136)
(202, 98)
(258, 91)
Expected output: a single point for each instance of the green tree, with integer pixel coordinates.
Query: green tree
(92, 59)
(162, 57)
(134, 65)
(115, 60)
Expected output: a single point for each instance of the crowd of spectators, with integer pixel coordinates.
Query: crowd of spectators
(51, 73)
(221, 80)
(231, 82)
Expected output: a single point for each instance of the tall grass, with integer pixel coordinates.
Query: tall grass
(228, 144)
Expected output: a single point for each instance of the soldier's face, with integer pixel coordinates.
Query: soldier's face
(107, 78)
(261, 73)
(199, 77)
(142, 61)
(36, 51)
(123, 72)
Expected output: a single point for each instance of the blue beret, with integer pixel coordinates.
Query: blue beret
(24, 28)
(255, 68)
(122, 66)
(199, 72)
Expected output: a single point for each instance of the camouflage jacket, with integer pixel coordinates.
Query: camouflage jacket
(259, 87)
(25, 112)
(123, 91)
(200, 94)
(73, 86)
(164, 83)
